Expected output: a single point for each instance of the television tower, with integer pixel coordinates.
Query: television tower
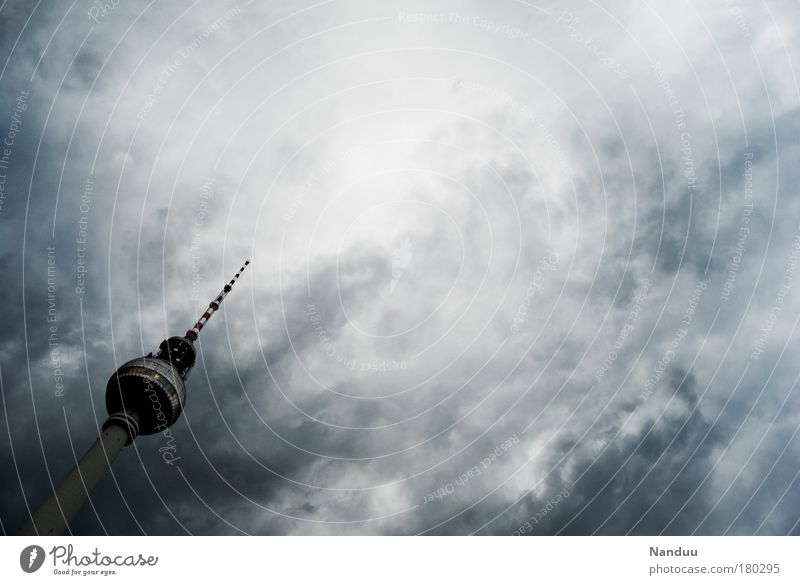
(144, 396)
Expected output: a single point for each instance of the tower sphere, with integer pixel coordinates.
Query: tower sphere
(149, 387)
(153, 387)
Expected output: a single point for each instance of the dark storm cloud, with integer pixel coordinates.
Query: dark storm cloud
(403, 208)
(640, 482)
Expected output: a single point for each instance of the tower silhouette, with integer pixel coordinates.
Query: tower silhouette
(144, 396)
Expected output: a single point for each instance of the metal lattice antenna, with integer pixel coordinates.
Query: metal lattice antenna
(194, 332)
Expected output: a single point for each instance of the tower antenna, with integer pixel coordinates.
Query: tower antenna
(213, 306)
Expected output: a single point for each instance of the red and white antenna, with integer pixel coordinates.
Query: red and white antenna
(194, 332)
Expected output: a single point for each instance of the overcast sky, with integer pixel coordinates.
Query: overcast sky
(517, 267)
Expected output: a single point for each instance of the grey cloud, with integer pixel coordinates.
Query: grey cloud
(395, 187)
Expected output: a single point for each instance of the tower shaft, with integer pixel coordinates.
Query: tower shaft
(55, 514)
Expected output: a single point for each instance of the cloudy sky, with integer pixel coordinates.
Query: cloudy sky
(517, 267)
